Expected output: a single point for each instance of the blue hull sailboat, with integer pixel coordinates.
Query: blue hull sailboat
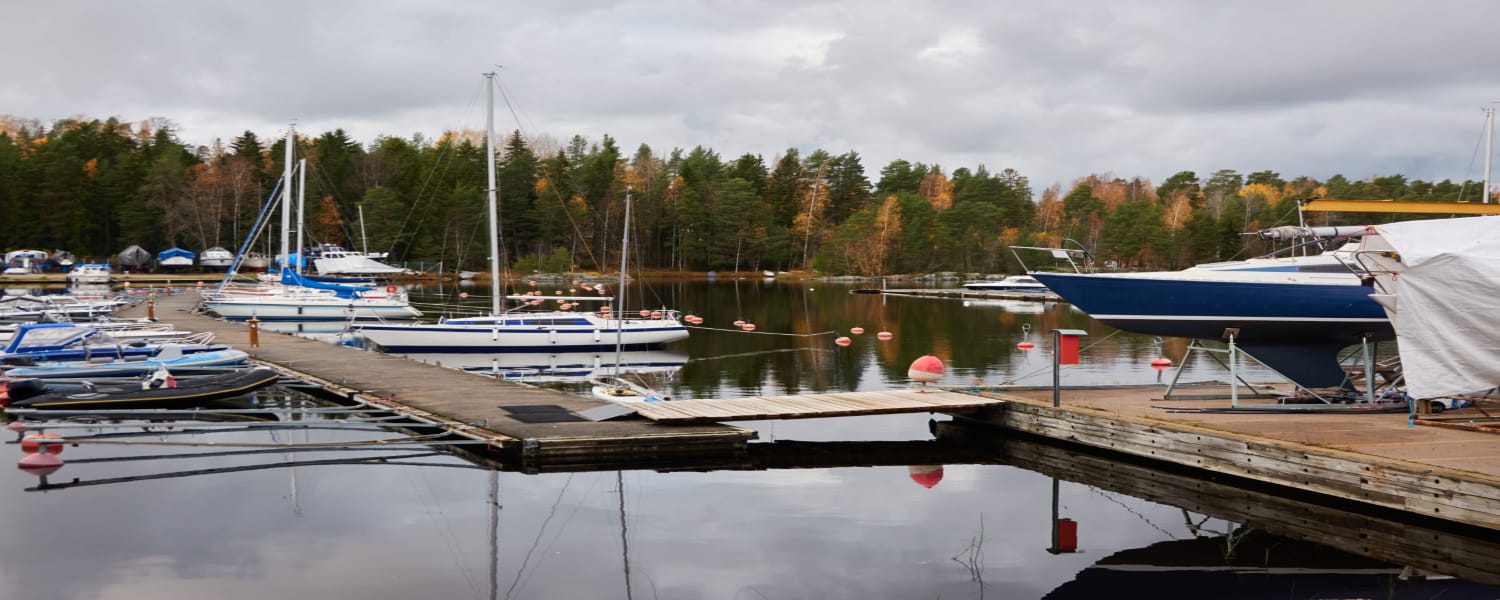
(1293, 314)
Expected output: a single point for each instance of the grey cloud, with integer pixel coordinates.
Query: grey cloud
(1056, 91)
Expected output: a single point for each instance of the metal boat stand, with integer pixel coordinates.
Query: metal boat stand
(1367, 362)
(1235, 380)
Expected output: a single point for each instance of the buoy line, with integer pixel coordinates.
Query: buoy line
(743, 354)
(1048, 367)
(766, 332)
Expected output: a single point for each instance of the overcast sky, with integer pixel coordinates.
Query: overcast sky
(1056, 91)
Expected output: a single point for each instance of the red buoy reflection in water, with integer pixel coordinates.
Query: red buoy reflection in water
(926, 475)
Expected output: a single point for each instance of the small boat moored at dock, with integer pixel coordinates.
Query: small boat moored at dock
(1013, 283)
(157, 392)
(90, 273)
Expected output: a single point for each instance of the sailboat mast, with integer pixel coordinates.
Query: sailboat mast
(620, 313)
(1489, 147)
(489, 163)
(301, 210)
(286, 197)
(364, 242)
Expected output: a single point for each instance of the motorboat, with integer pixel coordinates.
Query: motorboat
(169, 358)
(29, 308)
(255, 261)
(216, 258)
(1013, 283)
(89, 273)
(175, 258)
(65, 341)
(625, 391)
(522, 331)
(1291, 313)
(331, 259)
(130, 331)
(157, 392)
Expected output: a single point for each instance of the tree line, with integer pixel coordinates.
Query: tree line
(94, 187)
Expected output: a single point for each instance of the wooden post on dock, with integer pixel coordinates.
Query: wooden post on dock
(151, 308)
(254, 331)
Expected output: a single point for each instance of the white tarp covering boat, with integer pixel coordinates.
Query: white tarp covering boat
(1448, 297)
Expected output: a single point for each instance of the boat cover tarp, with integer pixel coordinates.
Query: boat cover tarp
(1447, 301)
(175, 253)
(134, 256)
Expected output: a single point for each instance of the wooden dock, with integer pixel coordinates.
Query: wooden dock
(1375, 459)
(529, 426)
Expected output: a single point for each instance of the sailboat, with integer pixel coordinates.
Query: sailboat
(295, 297)
(517, 330)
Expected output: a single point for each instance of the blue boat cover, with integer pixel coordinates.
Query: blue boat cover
(174, 253)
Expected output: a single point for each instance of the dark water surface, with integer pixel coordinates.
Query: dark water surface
(404, 522)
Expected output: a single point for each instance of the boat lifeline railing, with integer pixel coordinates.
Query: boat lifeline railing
(1078, 259)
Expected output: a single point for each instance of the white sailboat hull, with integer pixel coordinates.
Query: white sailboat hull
(533, 333)
(308, 307)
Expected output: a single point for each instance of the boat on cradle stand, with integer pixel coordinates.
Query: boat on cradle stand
(175, 258)
(1293, 314)
(216, 258)
(1436, 279)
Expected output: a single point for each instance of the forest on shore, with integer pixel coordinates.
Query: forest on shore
(94, 187)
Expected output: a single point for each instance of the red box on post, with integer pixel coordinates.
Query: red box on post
(1067, 349)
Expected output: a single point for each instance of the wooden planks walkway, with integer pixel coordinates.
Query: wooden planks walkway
(1374, 459)
(527, 424)
(809, 406)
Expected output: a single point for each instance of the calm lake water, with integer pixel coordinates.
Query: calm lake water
(972, 521)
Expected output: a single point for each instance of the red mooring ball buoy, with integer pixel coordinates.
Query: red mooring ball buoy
(843, 341)
(926, 369)
(1161, 364)
(856, 330)
(1025, 345)
(884, 335)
